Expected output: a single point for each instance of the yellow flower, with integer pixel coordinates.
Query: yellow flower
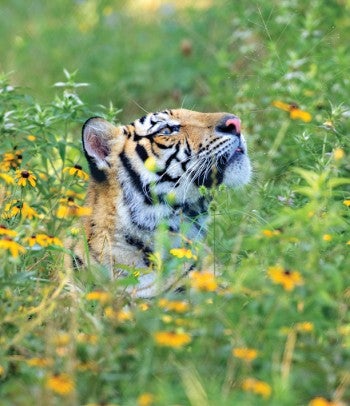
(24, 176)
(12, 246)
(288, 279)
(68, 208)
(121, 315)
(271, 233)
(16, 207)
(319, 401)
(62, 384)
(31, 137)
(172, 339)
(99, 296)
(179, 306)
(247, 354)
(305, 327)
(182, 253)
(76, 170)
(151, 164)
(294, 112)
(39, 362)
(11, 160)
(145, 399)
(6, 231)
(204, 281)
(346, 202)
(258, 387)
(338, 154)
(2, 371)
(7, 178)
(327, 237)
(87, 338)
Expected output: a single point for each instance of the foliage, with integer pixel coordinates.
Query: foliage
(273, 326)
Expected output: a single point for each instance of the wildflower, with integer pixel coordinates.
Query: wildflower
(87, 338)
(305, 327)
(271, 233)
(328, 125)
(99, 296)
(69, 208)
(346, 202)
(182, 253)
(327, 237)
(288, 279)
(11, 160)
(76, 170)
(204, 281)
(178, 306)
(38, 239)
(338, 154)
(145, 399)
(31, 138)
(121, 316)
(246, 354)
(258, 387)
(39, 362)
(62, 339)
(17, 207)
(172, 339)
(144, 306)
(23, 177)
(2, 371)
(62, 384)
(151, 164)
(294, 112)
(12, 246)
(6, 231)
(319, 401)
(7, 178)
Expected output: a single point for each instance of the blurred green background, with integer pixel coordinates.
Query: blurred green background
(203, 55)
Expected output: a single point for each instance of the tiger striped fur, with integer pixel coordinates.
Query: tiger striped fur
(136, 167)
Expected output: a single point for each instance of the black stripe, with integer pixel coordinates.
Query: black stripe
(141, 152)
(161, 146)
(135, 179)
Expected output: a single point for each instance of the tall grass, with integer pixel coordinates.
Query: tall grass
(274, 327)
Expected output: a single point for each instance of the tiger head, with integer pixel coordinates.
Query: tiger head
(169, 152)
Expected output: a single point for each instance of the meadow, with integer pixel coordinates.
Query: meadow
(273, 327)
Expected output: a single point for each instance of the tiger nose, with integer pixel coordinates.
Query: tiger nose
(229, 125)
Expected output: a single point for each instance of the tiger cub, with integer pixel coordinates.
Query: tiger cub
(149, 173)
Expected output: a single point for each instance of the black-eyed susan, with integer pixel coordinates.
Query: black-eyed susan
(178, 306)
(7, 232)
(257, 387)
(182, 253)
(11, 160)
(288, 279)
(68, 208)
(99, 296)
(62, 384)
(8, 179)
(320, 401)
(25, 177)
(295, 113)
(145, 399)
(174, 339)
(203, 281)
(305, 327)
(346, 202)
(16, 207)
(40, 362)
(8, 244)
(77, 171)
(246, 354)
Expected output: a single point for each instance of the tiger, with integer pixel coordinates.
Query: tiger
(149, 173)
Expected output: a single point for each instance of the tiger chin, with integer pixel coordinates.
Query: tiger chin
(135, 168)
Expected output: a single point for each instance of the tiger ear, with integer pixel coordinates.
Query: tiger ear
(97, 136)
